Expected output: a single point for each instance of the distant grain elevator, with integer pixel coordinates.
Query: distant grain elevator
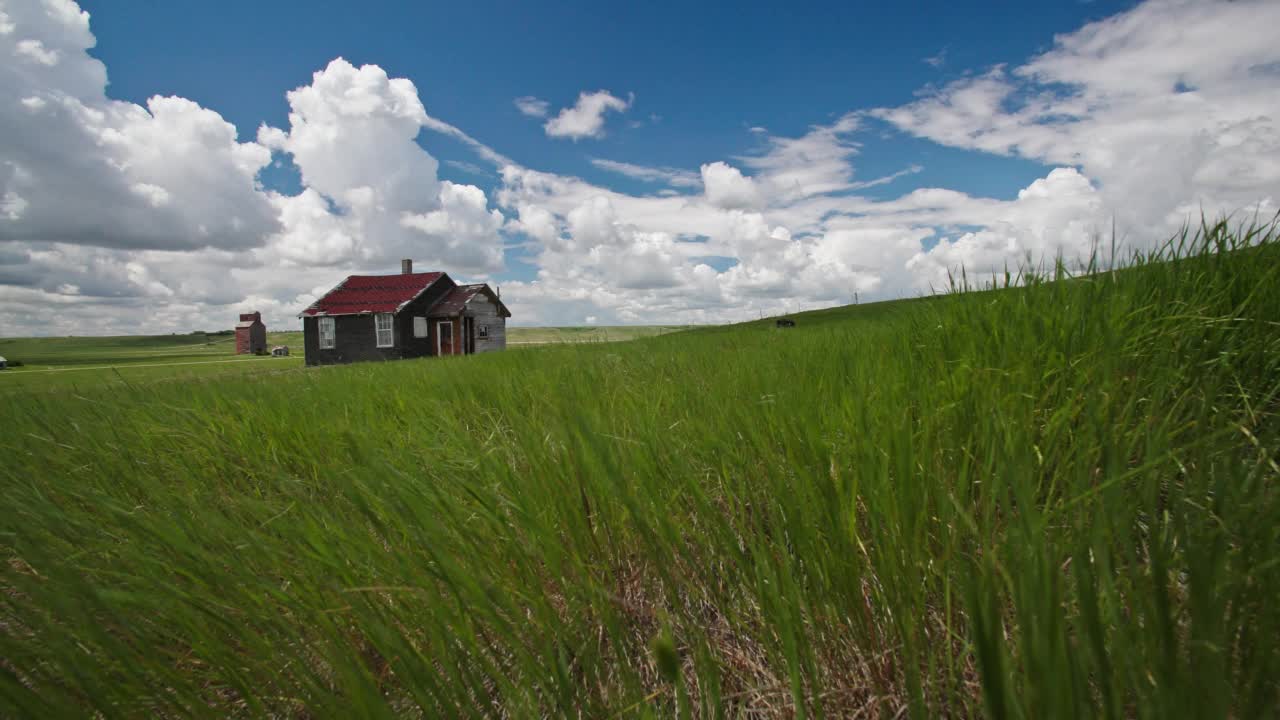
(251, 334)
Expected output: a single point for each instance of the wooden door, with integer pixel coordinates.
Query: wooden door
(444, 337)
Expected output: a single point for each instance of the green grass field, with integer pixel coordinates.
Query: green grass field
(74, 364)
(520, 336)
(1058, 500)
(77, 363)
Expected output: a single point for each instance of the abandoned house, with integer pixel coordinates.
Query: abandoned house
(251, 334)
(389, 317)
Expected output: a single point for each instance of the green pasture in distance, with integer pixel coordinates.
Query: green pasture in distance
(75, 363)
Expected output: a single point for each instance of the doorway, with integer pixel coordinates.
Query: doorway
(444, 337)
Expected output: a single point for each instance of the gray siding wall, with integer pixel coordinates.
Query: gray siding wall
(485, 313)
(354, 341)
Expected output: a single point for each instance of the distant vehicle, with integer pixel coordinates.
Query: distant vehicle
(785, 323)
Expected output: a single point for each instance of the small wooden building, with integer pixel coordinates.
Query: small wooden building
(4, 364)
(251, 334)
(280, 351)
(389, 317)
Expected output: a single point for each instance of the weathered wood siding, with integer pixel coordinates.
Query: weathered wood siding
(486, 314)
(355, 340)
(356, 336)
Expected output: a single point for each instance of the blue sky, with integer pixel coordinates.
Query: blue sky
(706, 72)
(753, 157)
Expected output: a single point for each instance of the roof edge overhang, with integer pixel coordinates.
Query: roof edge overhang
(305, 314)
(481, 288)
(335, 289)
(425, 288)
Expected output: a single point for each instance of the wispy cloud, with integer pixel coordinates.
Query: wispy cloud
(480, 148)
(1160, 109)
(670, 176)
(467, 167)
(885, 180)
(532, 106)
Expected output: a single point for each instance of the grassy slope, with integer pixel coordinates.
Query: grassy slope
(1053, 501)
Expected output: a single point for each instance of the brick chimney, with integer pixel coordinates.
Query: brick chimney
(406, 266)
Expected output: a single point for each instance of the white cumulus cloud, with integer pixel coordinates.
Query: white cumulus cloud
(113, 214)
(585, 118)
(352, 134)
(726, 187)
(77, 167)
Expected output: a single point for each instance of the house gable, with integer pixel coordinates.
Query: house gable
(457, 301)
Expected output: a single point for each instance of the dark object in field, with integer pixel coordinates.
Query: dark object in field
(3, 364)
(251, 335)
(389, 317)
(280, 351)
(785, 322)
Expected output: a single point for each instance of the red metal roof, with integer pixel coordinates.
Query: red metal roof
(372, 294)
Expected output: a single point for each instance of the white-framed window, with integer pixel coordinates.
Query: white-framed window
(482, 331)
(328, 333)
(419, 327)
(382, 325)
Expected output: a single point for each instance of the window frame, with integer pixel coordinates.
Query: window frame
(390, 330)
(420, 322)
(482, 332)
(331, 323)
